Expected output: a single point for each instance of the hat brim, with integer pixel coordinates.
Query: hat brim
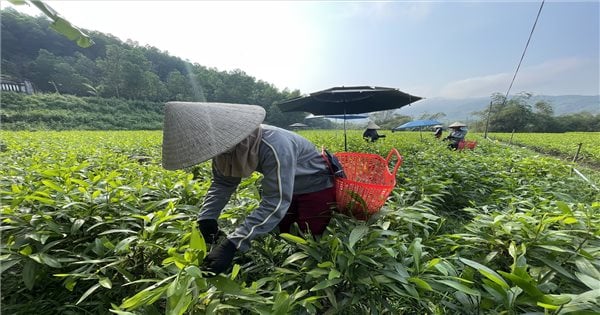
(457, 124)
(196, 132)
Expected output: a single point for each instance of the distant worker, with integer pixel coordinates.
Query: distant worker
(437, 131)
(458, 131)
(371, 133)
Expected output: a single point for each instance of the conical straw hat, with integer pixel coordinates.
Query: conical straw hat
(457, 124)
(372, 125)
(197, 132)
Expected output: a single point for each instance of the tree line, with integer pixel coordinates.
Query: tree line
(53, 111)
(521, 114)
(111, 68)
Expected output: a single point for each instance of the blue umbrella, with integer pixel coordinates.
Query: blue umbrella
(418, 124)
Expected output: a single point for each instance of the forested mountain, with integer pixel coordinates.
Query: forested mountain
(465, 109)
(32, 51)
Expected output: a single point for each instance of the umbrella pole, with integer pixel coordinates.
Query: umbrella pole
(345, 140)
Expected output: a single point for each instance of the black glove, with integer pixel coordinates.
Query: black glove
(219, 259)
(209, 229)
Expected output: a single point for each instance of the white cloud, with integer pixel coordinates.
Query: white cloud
(404, 10)
(554, 77)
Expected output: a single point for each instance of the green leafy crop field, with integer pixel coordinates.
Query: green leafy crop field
(92, 224)
(561, 144)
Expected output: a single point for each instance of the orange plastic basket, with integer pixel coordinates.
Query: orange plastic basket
(367, 184)
(466, 144)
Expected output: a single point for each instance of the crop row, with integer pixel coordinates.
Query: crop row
(562, 144)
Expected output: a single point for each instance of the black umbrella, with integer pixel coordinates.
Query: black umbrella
(349, 100)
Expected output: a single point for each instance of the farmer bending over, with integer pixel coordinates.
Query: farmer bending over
(371, 133)
(297, 185)
(458, 131)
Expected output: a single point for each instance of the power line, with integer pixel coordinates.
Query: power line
(517, 70)
(524, 51)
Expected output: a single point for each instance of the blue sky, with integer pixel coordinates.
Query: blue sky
(453, 49)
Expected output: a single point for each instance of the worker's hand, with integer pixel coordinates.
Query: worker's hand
(219, 259)
(210, 230)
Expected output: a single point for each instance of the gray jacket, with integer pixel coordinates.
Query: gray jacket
(290, 165)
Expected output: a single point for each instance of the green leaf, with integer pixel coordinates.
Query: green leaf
(88, 292)
(357, 233)
(194, 271)
(556, 267)
(548, 306)
(420, 283)
(325, 264)
(52, 185)
(70, 284)
(556, 299)
(43, 200)
(416, 250)
(196, 240)
(123, 245)
(126, 231)
(460, 287)
(46, 259)
(587, 268)
(26, 251)
(293, 238)
(570, 220)
(555, 248)
(225, 285)
(325, 284)
(77, 225)
(144, 297)
(183, 302)
(29, 273)
(294, 257)
(487, 272)
(524, 284)
(333, 274)
(105, 282)
(393, 275)
(317, 272)
(590, 282)
(235, 271)
(7, 264)
(562, 206)
(281, 304)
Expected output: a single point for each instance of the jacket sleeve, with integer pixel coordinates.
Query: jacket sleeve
(218, 195)
(278, 167)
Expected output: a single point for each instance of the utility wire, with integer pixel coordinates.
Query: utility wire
(524, 51)
(516, 71)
